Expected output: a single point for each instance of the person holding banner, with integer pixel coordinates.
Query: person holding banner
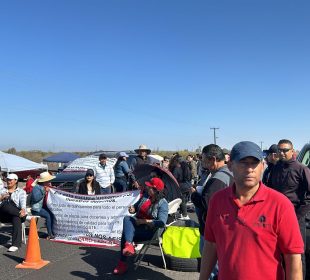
(38, 201)
(89, 185)
(150, 214)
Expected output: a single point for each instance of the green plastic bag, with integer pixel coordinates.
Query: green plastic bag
(181, 242)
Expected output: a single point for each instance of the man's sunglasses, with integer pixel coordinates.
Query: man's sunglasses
(283, 150)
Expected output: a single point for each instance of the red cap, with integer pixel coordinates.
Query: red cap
(156, 183)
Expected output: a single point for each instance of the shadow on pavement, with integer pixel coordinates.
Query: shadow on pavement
(14, 258)
(104, 261)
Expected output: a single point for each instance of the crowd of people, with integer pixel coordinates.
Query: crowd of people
(249, 206)
(249, 220)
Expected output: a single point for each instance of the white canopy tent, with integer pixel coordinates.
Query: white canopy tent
(13, 163)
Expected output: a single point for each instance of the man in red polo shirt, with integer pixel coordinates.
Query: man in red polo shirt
(249, 226)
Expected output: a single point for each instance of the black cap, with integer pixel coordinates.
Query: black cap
(272, 149)
(245, 149)
(90, 172)
(102, 156)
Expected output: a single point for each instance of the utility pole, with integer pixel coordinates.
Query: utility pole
(261, 145)
(214, 134)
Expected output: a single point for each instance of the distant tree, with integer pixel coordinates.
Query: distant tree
(11, 151)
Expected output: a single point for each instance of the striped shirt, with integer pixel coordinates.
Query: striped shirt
(18, 197)
(104, 175)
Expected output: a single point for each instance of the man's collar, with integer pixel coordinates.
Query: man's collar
(286, 162)
(16, 189)
(260, 195)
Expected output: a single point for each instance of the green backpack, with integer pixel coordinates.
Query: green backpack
(181, 242)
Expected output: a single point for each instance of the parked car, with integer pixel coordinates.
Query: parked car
(68, 180)
(304, 155)
(304, 158)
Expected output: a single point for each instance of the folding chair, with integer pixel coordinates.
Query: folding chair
(173, 207)
(156, 240)
(24, 238)
(28, 218)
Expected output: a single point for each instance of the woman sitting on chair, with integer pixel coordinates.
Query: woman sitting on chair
(151, 214)
(38, 201)
(13, 209)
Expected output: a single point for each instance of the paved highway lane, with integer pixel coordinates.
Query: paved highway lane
(76, 262)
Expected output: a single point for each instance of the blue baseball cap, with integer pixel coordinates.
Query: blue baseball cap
(123, 154)
(246, 149)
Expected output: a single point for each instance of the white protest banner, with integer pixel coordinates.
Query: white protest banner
(94, 220)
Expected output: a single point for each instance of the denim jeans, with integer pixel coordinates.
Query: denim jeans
(105, 190)
(183, 206)
(120, 185)
(49, 218)
(132, 232)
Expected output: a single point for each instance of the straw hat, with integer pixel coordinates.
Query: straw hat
(143, 148)
(44, 177)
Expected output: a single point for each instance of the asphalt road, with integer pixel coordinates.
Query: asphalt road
(76, 262)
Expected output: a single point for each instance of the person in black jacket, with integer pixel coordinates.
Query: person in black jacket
(143, 157)
(271, 158)
(89, 185)
(180, 170)
(292, 178)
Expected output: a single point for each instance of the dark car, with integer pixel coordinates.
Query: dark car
(68, 180)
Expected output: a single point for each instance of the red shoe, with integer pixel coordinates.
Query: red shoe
(128, 250)
(121, 268)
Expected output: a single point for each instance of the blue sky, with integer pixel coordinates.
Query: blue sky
(86, 75)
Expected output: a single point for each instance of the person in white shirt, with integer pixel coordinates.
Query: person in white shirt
(104, 174)
(13, 209)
